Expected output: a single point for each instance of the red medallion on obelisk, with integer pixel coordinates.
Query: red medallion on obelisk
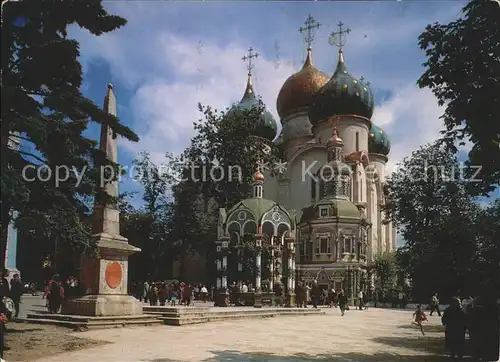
(114, 274)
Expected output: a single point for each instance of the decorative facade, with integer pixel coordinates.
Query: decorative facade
(332, 185)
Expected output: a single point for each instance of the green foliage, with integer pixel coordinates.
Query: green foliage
(439, 223)
(227, 138)
(463, 71)
(47, 114)
(149, 228)
(385, 269)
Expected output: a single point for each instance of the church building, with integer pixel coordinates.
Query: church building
(332, 181)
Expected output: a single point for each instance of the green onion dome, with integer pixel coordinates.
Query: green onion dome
(341, 95)
(267, 126)
(378, 141)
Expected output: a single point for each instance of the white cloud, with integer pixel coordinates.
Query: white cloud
(213, 76)
(410, 118)
(169, 74)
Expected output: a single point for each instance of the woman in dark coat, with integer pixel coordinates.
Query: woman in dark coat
(454, 320)
(342, 301)
(55, 295)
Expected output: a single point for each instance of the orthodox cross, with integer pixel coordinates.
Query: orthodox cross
(337, 38)
(310, 24)
(249, 58)
(260, 166)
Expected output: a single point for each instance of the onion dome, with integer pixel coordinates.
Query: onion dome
(267, 126)
(378, 141)
(341, 95)
(335, 140)
(258, 177)
(297, 91)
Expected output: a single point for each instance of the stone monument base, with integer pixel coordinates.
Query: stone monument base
(103, 305)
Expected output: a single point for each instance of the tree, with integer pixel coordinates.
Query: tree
(487, 258)
(149, 227)
(463, 71)
(436, 222)
(385, 269)
(225, 145)
(44, 117)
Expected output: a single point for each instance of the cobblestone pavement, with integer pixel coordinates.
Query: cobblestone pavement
(371, 335)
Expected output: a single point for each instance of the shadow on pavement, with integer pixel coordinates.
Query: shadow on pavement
(236, 356)
(428, 328)
(17, 331)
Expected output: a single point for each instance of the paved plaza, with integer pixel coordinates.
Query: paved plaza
(372, 335)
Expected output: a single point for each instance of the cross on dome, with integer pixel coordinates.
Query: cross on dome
(338, 38)
(310, 25)
(249, 58)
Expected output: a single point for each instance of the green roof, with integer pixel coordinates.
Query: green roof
(257, 206)
(342, 94)
(267, 126)
(342, 208)
(378, 141)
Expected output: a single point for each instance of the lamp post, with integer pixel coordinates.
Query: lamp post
(222, 298)
(290, 287)
(258, 270)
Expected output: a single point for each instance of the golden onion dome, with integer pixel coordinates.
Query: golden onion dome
(258, 176)
(296, 92)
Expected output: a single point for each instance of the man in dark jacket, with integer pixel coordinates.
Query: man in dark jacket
(4, 293)
(4, 288)
(315, 291)
(16, 291)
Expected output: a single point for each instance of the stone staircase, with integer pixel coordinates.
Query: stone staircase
(178, 316)
(77, 322)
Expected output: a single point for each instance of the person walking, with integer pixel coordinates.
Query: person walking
(342, 302)
(361, 300)
(204, 293)
(401, 297)
(146, 290)
(316, 292)
(16, 291)
(435, 305)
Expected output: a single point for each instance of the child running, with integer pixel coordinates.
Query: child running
(419, 318)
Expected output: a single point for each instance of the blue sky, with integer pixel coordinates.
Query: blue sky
(172, 55)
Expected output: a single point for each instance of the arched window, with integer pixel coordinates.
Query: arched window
(268, 228)
(250, 227)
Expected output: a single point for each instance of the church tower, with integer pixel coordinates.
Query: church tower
(295, 96)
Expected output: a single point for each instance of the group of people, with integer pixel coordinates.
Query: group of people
(10, 299)
(318, 296)
(469, 315)
(164, 293)
(56, 290)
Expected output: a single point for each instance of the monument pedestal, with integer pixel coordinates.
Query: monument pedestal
(106, 278)
(100, 305)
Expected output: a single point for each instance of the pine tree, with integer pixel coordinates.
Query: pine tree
(44, 111)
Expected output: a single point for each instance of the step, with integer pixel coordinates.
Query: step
(196, 319)
(92, 325)
(81, 318)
